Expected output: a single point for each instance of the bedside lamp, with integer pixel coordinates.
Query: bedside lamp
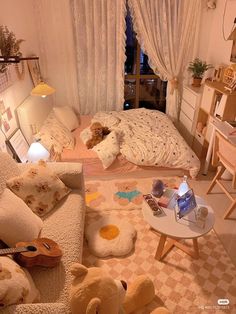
(37, 152)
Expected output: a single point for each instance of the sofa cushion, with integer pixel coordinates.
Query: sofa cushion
(16, 284)
(39, 188)
(8, 169)
(65, 225)
(17, 222)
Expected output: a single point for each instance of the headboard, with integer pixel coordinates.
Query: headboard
(32, 113)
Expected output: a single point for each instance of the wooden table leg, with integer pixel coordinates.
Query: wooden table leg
(160, 247)
(196, 249)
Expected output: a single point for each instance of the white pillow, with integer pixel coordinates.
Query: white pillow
(108, 149)
(16, 284)
(67, 117)
(53, 132)
(17, 221)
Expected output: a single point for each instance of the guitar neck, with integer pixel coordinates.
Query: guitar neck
(12, 250)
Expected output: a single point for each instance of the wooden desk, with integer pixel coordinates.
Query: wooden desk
(223, 128)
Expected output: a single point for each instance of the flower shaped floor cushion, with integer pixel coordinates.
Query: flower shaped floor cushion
(110, 236)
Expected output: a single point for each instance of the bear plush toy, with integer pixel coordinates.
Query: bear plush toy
(98, 134)
(93, 291)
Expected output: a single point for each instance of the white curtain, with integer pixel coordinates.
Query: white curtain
(100, 48)
(167, 32)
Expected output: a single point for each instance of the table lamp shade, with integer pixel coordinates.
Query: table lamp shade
(37, 152)
(43, 90)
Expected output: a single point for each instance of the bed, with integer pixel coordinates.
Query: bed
(146, 138)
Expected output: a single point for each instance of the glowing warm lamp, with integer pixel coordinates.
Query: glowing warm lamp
(37, 152)
(42, 89)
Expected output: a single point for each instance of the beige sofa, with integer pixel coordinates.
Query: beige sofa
(65, 225)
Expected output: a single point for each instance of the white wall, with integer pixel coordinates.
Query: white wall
(19, 17)
(57, 49)
(212, 46)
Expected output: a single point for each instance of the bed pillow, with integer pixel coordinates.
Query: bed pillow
(17, 222)
(67, 117)
(39, 187)
(16, 284)
(53, 132)
(49, 141)
(108, 149)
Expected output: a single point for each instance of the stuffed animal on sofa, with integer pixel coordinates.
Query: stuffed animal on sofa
(93, 291)
(98, 134)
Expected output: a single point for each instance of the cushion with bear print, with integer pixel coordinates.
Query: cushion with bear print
(39, 188)
(16, 284)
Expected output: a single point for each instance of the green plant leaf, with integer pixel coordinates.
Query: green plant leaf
(198, 67)
(9, 45)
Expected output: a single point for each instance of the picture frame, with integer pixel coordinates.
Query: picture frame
(8, 122)
(186, 203)
(3, 146)
(34, 71)
(18, 146)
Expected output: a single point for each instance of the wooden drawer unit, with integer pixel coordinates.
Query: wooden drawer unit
(189, 97)
(188, 112)
(185, 121)
(187, 109)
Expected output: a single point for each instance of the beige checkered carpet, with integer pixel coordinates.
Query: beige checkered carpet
(182, 284)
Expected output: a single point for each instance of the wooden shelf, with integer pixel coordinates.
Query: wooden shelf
(220, 87)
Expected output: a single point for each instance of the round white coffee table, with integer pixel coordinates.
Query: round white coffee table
(171, 231)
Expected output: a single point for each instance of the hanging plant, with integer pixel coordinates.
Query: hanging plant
(9, 46)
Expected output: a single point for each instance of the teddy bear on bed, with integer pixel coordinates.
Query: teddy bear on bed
(98, 134)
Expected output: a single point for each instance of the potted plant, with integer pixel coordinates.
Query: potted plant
(9, 45)
(198, 68)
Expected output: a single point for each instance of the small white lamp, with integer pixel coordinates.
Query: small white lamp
(37, 152)
(183, 187)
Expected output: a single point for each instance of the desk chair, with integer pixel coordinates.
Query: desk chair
(224, 155)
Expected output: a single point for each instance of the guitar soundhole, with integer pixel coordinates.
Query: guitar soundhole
(31, 248)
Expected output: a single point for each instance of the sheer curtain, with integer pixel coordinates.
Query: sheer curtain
(100, 48)
(167, 32)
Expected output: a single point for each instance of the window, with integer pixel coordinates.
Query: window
(142, 87)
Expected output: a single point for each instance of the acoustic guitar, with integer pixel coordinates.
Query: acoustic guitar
(39, 252)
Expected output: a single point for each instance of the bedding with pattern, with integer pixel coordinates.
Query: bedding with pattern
(144, 137)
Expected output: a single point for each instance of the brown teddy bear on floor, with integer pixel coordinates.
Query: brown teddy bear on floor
(98, 134)
(93, 291)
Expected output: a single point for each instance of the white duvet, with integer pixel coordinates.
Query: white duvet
(144, 137)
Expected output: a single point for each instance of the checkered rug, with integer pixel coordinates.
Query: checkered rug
(182, 284)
